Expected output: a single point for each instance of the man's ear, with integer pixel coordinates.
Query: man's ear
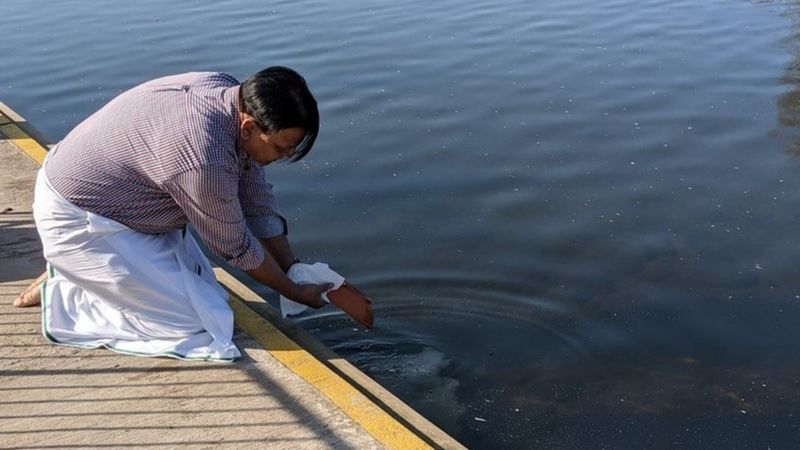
(247, 128)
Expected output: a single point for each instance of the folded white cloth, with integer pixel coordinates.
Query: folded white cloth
(317, 273)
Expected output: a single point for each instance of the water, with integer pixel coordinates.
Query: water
(578, 219)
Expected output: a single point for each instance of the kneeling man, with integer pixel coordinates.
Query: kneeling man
(114, 198)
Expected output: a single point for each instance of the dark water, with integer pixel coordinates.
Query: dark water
(578, 219)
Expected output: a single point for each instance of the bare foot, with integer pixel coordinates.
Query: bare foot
(31, 296)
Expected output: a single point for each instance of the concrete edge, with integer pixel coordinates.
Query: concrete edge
(23, 124)
(388, 419)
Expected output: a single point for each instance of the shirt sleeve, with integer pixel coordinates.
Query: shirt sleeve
(259, 204)
(208, 195)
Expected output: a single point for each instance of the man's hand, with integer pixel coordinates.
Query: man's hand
(311, 294)
(272, 272)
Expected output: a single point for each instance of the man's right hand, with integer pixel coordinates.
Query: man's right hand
(311, 294)
(270, 274)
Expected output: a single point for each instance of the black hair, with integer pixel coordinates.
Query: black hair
(278, 98)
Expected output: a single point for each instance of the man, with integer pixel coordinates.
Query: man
(114, 197)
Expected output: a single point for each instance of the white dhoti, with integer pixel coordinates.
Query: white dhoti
(142, 294)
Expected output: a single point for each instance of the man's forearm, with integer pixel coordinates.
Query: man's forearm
(280, 250)
(271, 274)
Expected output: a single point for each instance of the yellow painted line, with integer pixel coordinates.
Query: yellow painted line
(377, 422)
(26, 143)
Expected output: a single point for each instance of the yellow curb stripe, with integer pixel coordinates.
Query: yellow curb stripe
(26, 143)
(377, 422)
(374, 420)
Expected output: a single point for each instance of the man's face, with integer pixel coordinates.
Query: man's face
(266, 148)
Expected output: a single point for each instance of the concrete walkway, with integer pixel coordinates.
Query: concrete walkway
(61, 397)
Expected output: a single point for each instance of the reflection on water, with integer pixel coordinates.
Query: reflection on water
(789, 102)
(578, 220)
(413, 365)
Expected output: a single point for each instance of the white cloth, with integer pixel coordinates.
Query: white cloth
(136, 293)
(317, 273)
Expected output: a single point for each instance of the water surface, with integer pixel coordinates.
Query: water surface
(578, 220)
